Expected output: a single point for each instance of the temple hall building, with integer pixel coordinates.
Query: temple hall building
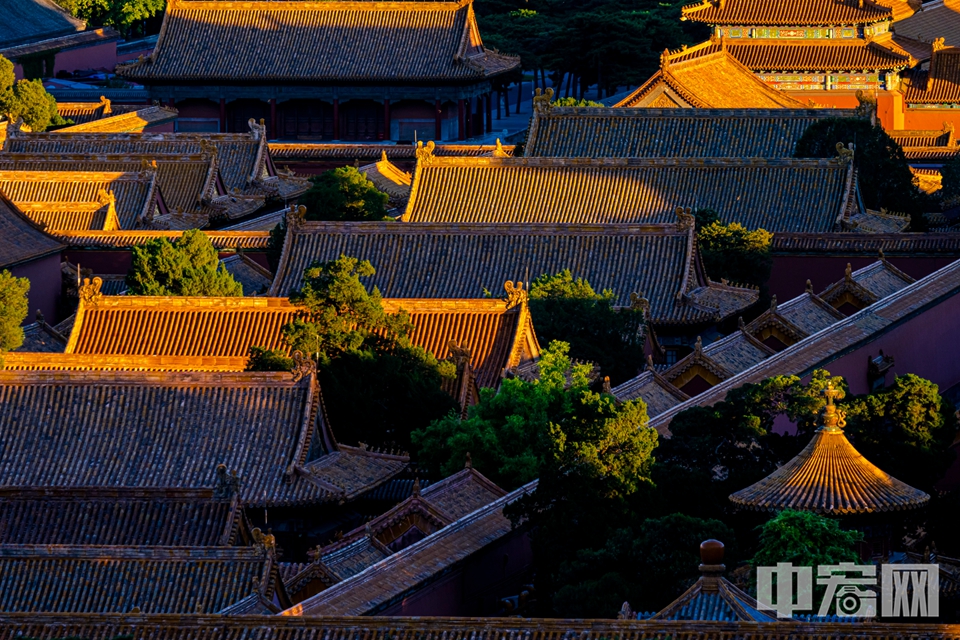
(814, 49)
(352, 71)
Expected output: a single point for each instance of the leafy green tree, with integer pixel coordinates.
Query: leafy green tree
(122, 14)
(950, 180)
(378, 386)
(188, 266)
(13, 310)
(26, 99)
(806, 540)
(275, 246)
(263, 359)
(344, 194)
(734, 253)
(882, 169)
(573, 102)
(569, 309)
(905, 429)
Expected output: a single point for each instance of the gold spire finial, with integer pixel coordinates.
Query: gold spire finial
(833, 418)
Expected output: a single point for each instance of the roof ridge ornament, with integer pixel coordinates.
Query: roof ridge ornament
(845, 153)
(834, 420)
(809, 287)
(639, 303)
(516, 294)
(541, 101)
(303, 366)
(499, 151)
(227, 485)
(424, 152)
(938, 45)
(266, 542)
(685, 219)
(89, 292)
(459, 354)
(296, 216)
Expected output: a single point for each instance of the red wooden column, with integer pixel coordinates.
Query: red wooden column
(489, 101)
(273, 118)
(461, 121)
(386, 119)
(223, 115)
(336, 118)
(438, 125)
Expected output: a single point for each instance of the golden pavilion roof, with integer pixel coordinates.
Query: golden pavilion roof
(939, 83)
(707, 76)
(793, 13)
(830, 477)
(595, 132)
(756, 192)
(322, 42)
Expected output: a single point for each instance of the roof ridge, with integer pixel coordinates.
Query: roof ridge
(130, 552)
(153, 378)
(314, 5)
(621, 162)
(486, 228)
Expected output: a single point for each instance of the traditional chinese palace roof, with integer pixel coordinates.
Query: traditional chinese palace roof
(865, 324)
(939, 84)
(119, 517)
(322, 42)
(21, 240)
(67, 578)
(830, 477)
(713, 597)
(305, 151)
(51, 626)
(427, 260)
(130, 122)
(592, 132)
(165, 430)
(757, 193)
(81, 112)
(937, 19)
(182, 333)
(385, 582)
(223, 240)
(81, 200)
(757, 13)
(27, 21)
(707, 76)
(817, 56)
(775, 331)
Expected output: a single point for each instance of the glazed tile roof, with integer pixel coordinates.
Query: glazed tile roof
(241, 157)
(222, 330)
(755, 13)
(593, 132)
(830, 477)
(72, 516)
(713, 597)
(870, 221)
(119, 579)
(40, 337)
(81, 112)
(265, 222)
(133, 121)
(462, 493)
(426, 260)
(223, 240)
(809, 313)
(392, 578)
(267, 627)
(758, 193)
(76, 200)
(651, 387)
(707, 76)
(386, 41)
(892, 244)
(294, 151)
(939, 84)
(390, 179)
(349, 472)
(737, 352)
(819, 350)
(837, 55)
(254, 278)
(907, 138)
(353, 558)
(21, 240)
(33, 20)
(91, 37)
(867, 285)
(938, 19)
(144, 430)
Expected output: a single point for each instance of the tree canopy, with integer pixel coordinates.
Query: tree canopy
(735, 253)
(26, 99)
(568, 309)
(122, 14)
(13, 310)
(344, 194)
(188, 266)
(378, 386)
(882, 169)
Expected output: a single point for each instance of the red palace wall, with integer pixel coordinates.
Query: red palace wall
(44, 277)
(476, 586)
